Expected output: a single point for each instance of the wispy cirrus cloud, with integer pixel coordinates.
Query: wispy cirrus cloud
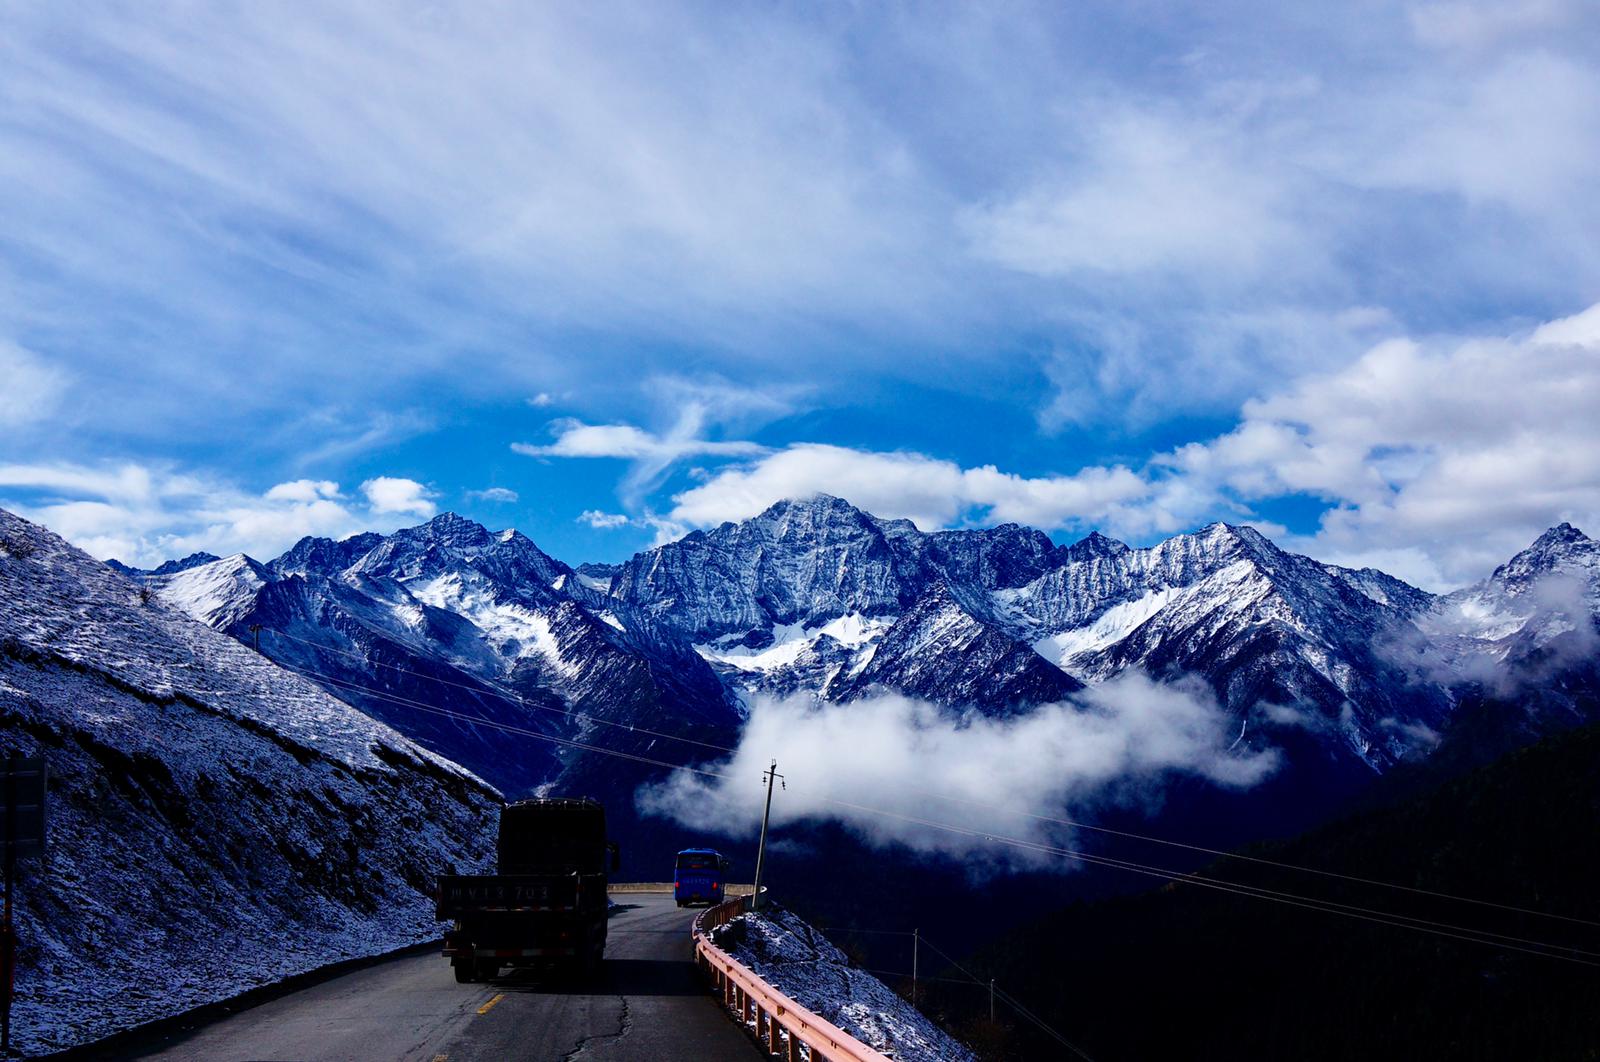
(1104, 241)
(32, 389)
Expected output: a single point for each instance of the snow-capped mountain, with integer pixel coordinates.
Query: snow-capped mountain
(816, 597)
(478, 645)
(1548, 591)
(1527, 639)
(216, 822)
(802, 596)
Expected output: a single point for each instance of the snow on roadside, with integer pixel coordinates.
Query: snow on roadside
(801, 963)
(216, 823)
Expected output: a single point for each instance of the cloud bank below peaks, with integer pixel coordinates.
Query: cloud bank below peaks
(1115, 743)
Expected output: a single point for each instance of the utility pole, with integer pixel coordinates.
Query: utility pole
(768, 776)
(255, 629)
(991, 1001)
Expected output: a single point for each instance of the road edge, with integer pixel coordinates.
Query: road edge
(158, 1033)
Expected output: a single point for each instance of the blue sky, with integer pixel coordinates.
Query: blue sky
(1132, 267)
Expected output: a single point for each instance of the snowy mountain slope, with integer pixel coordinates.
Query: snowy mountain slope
(1003, 617)
(1263, 626)
(218, 593)
(1521, 649)
(803, 563)
(484, 649)
(940, 651)
(801, 597)
(1550, 589)
(816, 597)
(216, 822)
(800, 962)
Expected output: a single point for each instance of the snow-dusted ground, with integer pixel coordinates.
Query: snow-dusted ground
(216, 823)
(801, 963)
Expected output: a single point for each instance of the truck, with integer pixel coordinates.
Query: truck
(547, 906)
(700, 875)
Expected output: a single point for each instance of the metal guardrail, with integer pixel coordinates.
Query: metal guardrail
(782, 1026)
(732, 888)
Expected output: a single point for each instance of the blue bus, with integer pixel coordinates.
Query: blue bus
(700, 876)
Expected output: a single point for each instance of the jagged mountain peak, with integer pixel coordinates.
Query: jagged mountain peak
(1561, 539)
(1093, 545)
(1561, 548)
(171, 567)
(802, 516)
(323, 556)
(193, 560)
(448, 527)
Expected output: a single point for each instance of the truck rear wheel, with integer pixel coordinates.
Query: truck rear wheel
(466, 971)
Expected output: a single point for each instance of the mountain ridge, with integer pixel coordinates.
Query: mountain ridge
(817, 597)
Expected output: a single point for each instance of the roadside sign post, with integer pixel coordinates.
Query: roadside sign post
(26, 779)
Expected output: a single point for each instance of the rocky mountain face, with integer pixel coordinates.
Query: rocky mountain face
(474, 643)
(216, 823)
(816, 597)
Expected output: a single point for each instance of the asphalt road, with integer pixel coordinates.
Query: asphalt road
(648, 1004)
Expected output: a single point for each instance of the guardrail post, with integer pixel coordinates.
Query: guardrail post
(794, 1047)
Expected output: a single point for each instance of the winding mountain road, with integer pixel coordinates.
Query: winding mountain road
(649, 1003)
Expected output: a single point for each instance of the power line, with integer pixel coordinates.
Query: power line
(1013, 1002)
(493, 724)
(1058, 820)
(1198, 877)
(1328, 906)
(495, 692)
(1253, 859)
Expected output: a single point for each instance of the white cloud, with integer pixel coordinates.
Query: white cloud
(494, 494)
(1474, 25)
(576, 439)
(928, 491)
(303, 490)
(390, 494)
(144, 515)
(31, 390)
(1437, 459)
(542, 400)
(601, 521)
(1116, 743)
(697, 408)
(1440, 459)
(1158, 195)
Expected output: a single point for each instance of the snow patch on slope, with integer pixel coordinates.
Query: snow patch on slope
(787, 953)
(790, 641)
(1113, 625)
(216, 593)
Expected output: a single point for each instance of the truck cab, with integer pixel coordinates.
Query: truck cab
(700, 875)
(547, 906)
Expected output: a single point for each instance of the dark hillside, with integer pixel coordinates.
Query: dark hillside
(1188, 972)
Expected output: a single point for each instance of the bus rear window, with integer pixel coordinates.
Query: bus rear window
(697, 862)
